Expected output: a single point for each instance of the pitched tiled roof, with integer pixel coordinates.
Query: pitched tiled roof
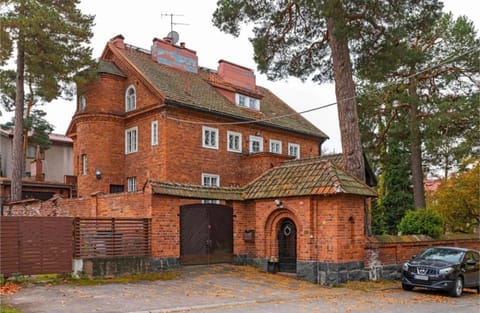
(305, 178)
(288, 180)
(194, 90)
(197, 192)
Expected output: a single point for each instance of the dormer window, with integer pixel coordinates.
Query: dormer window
(247, 102)
(130, 99)
(82, 103)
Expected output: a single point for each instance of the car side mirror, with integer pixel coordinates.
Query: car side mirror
(413, 257)
(471, 262)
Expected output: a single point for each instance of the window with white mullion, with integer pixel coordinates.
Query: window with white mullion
(234, 141)
(209, 137)
(255, 144)
(276, 146)
(131, 140)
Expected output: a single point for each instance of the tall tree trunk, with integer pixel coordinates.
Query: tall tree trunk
(416, 150)
(346, 103)
(17, 155)
(347, 107)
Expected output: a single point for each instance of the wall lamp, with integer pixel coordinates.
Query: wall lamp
(278, 203)
(98, 173)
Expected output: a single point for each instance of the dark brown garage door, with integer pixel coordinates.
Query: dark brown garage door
(206, 234)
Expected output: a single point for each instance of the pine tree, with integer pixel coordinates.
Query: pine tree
(430, 74)
(48, 38)
(318, 40)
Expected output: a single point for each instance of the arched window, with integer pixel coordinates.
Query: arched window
(130, 99)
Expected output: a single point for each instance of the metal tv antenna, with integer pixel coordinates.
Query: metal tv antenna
(173, 34)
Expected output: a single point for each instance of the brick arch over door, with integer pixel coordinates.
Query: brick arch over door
(272, 225)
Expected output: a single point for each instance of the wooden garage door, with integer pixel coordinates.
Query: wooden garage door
(206, 234)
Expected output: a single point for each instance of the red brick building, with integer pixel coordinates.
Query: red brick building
(225, 169)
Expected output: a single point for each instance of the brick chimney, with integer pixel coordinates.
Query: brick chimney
(164, 51)
(118, 41)
(237, 75)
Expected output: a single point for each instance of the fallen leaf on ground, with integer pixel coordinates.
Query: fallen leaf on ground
(9, 289)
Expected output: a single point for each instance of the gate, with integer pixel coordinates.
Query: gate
(287, 246)
(206, 234)
(35, 245)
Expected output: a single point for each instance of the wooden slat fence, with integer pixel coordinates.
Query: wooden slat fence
(35, 245)
(112, 237)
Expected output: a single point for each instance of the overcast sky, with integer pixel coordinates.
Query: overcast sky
(140, 21)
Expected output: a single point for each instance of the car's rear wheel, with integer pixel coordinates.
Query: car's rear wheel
(457, 288)
(407, 287)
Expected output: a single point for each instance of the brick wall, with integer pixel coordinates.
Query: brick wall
(111, 205)
(394, 250)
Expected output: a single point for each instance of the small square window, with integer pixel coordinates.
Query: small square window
(256, 144)
(210, 138)
(234, 143)
(294, 150)
(210, 180)
(131, 184)
(276, 146)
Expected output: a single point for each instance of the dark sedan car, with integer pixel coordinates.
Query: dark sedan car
(443, 268)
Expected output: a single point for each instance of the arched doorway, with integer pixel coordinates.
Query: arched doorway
(287, 246)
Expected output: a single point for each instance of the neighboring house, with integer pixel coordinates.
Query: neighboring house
(46, 172)
(224, 168)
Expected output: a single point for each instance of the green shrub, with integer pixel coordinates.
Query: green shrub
(422, 222)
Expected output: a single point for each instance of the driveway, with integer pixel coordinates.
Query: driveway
(228, 288)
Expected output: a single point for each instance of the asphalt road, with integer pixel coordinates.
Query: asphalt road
(232, 289)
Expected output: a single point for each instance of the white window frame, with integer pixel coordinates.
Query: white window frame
(276, 143)
(82, 103)
(130, 99)
(210, 176)
(247, 102)
(131, 147)
(295, 146)
(237, 135)
(84, 164)
(154, 133)
(131, 184)
(206, 137)
(254, 104)
(253, 139)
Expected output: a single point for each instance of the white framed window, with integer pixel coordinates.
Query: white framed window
(82, 103)
(255, 144)
(294, 150)
(131, 184)
(84, 164)
(154, 129)
(254, 104)
(234, 141)
(247, 102)
(131, 140)
(210, 180)
(130, 99)
(275, 146)
(209, 137)
(241, 100)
